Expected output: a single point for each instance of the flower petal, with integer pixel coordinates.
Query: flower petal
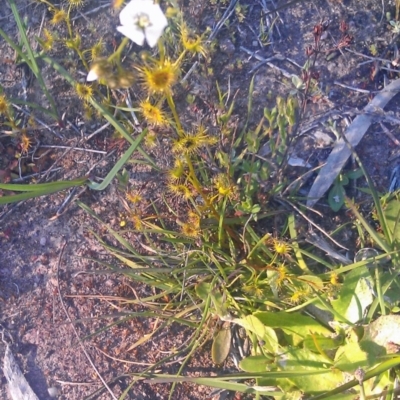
(158, 24)
(135, 8)
(132, 32)
(158, 17)
(92, 76)
(153, 33)
(127, 14)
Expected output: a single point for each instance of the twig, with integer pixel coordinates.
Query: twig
(310, 221)
(352, 88)
(191, 70)
(294, 63)
(54, 164)
(389, 134)
(97, 131)
(124, 361)
(300, 180)
(66, 201)
(266, 61)
(128, 102)
(383, 11)
(369, 57)
(271, 24)
(71, 125)
(76, 383)
(73, 326)
(11, 14)
(390, 69)
(73, 148)
(228, 12)
(107, 4)
(39, 121)
(255, 34)
(322, 244)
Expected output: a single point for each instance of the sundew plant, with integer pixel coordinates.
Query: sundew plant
(232, 249)
(223, 245)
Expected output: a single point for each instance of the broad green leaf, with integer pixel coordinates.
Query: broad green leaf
(219, 302)
(355, 295)
(343, 396)
(336, 197)
(311, 280)
(377, 371)
(285, 385)
(254, 325)
(344, 180)
(350, 357)
(292, 323)
(392, 214)
(318, 343)
(293, 395)
(258, 363)
(295, 359)
(203, 290)
(221, 345)
(297, 82)
(355, 174)
(251, 324)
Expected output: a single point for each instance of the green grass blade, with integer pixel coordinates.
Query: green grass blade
(30, 59)
(121, 162)
(117, 237)
(375, 236)
(40, 187)
(295, 244)
(44, 189)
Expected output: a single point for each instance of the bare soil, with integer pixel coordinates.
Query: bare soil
(34, 269)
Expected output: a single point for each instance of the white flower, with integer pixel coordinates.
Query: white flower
(142, 19)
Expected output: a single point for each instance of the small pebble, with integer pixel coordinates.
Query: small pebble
(227, 46)
(53, 391)
(43, 241)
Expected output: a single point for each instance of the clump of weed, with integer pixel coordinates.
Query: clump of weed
(222, 245)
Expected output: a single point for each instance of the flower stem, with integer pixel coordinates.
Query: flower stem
(68, 20)
(175, 114)
(192, 174)
(197, 185)
(180, 58)
(117, 53)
